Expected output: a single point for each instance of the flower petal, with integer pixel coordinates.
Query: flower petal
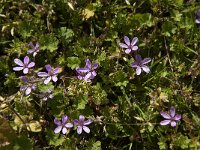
(76, 122)
(48, 67)
(64, 119)
(88, 63)
(37, 45)
(32, 64)
(88, 76)
(165, 115)
(138, 58)
(57, 122)
(79, 129)
(128, 50)
(146, 60)
(18, 62)
(172, 111)
(145, 68)
(26, 60)
(134, 48)
(94, 73)
(86, 129)
(134, 64)
(28, 91)
(58, 129)
(64, 130)
(30, 51)
(81, 118)
(122, 45)
(95, 66)
(31, 45)
(45, 99)
(165, 122)
(82, 70)
(34, 54)
(56, 70)
(89, 121)
(18, 68)
(43, 74)
(126, 40)
(54, 78)
(22, 88)
(138, 70)
(177, 117)
(47, 80)
(25, 71)
(173, 123)
(69, 125)
(24, 79)
(134, 40)
(197, 20)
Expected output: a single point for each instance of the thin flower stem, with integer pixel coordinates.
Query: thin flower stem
(19, 117)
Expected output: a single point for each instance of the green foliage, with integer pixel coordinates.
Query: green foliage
(48, 42)
(125, 107)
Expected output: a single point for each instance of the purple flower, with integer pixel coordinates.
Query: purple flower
(34, 49)
(172, 117)
(139, 64)
(28, 86)
(82, 124)
(198, 17)
(62, 125)
(46, 95)
(51, 74)
(23, 65)
(129, 46)
(88, 72)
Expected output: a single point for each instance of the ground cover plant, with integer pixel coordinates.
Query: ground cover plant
(99, 74)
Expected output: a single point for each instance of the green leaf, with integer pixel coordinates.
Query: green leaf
(73, 62)
(48, 42)
(82, 101)
(65, 34)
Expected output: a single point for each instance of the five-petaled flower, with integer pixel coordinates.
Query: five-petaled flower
(51, 74)
(28, 86)
(46, 95)
(172, 117)
(129, 46)
(23, 65)
(63, 125)
(34, 49)
(139, 64)
(82, 124)
(88, 72)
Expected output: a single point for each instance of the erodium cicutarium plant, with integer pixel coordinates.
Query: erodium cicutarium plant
(25, 65)
(129, 46)
(63, 125)
(51, 74)
(88, 72)
(82, 124)
(170, 118)
(140, 64)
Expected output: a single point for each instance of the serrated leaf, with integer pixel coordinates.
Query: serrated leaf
(73, 62)
(48, 42)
